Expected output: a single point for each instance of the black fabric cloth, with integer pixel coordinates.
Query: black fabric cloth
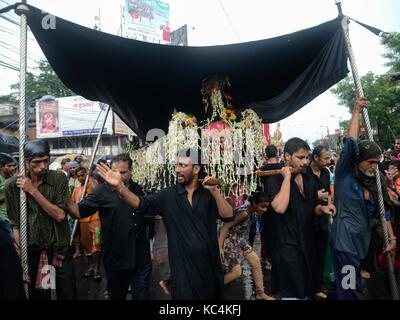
(139, 80)
(196, 270)
(370, 184)
(368, 150)
(374, 30)
(321, 228)
(118, 283)
(268, 217)
(11, 287)
(293, 251)
(322, 182)
(124, 240)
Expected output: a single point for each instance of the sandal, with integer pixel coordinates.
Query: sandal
(321, 295)
(97, 276)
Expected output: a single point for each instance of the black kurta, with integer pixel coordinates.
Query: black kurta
(124, 241)
(293, 246)
(321, 228)
(196, 271)
(268, 216)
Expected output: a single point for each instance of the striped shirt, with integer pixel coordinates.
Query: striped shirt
(43, 231)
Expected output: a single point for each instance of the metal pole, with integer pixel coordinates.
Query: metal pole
(23, 10)
(96, 146)
(360, 93)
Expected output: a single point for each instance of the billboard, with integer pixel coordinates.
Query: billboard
(121, 128)
(147, 20)
(70, 116)
(179, 37)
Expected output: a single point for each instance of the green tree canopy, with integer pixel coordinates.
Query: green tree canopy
(392, 43)
(46, 82)
(383, 93)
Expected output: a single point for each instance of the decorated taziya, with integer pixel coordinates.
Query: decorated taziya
(231, 142)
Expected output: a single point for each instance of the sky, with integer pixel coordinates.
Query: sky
(213, 22)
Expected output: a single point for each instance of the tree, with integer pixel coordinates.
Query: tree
(37, 86)
(317, 143)
(392, 43)
(383, 93)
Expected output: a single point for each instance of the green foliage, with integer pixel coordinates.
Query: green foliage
(383, 93)
(37, 86)
(392, 43)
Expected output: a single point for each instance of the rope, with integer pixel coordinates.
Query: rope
(360, 92)
(229, 20)
(22, 136)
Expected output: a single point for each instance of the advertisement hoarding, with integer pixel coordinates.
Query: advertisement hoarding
(70, 116)
(121, 128)
(147, 20)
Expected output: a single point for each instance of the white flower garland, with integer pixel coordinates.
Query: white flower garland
(233, 160)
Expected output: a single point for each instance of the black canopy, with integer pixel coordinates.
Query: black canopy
(145, 82)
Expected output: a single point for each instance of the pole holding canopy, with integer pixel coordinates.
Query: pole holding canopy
(23, 10)
(360, 93)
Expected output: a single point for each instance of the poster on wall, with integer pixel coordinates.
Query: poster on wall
(48, 117)
(70, 116)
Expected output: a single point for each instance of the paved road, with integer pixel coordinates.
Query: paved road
(240, 289)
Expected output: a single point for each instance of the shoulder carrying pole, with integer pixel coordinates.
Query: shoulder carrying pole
(360, 93)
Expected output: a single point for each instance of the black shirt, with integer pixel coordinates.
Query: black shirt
(268, 167)
(196, 271)
(293, 239)
(267, 218)
(123, 232)
(321, 223)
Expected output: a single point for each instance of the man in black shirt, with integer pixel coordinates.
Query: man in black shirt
(294, 202)
(321, 157)
(267, 231)
(189, 212)
(124, 243)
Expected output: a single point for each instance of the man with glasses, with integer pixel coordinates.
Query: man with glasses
(48, 231)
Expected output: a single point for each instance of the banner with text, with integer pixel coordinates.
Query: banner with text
(71, 116)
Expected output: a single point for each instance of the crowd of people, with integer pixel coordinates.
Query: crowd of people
(319, 221)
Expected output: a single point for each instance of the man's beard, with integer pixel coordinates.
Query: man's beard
(184, 181)
(368, 174)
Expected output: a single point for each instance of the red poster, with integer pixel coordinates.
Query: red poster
(266, 133)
